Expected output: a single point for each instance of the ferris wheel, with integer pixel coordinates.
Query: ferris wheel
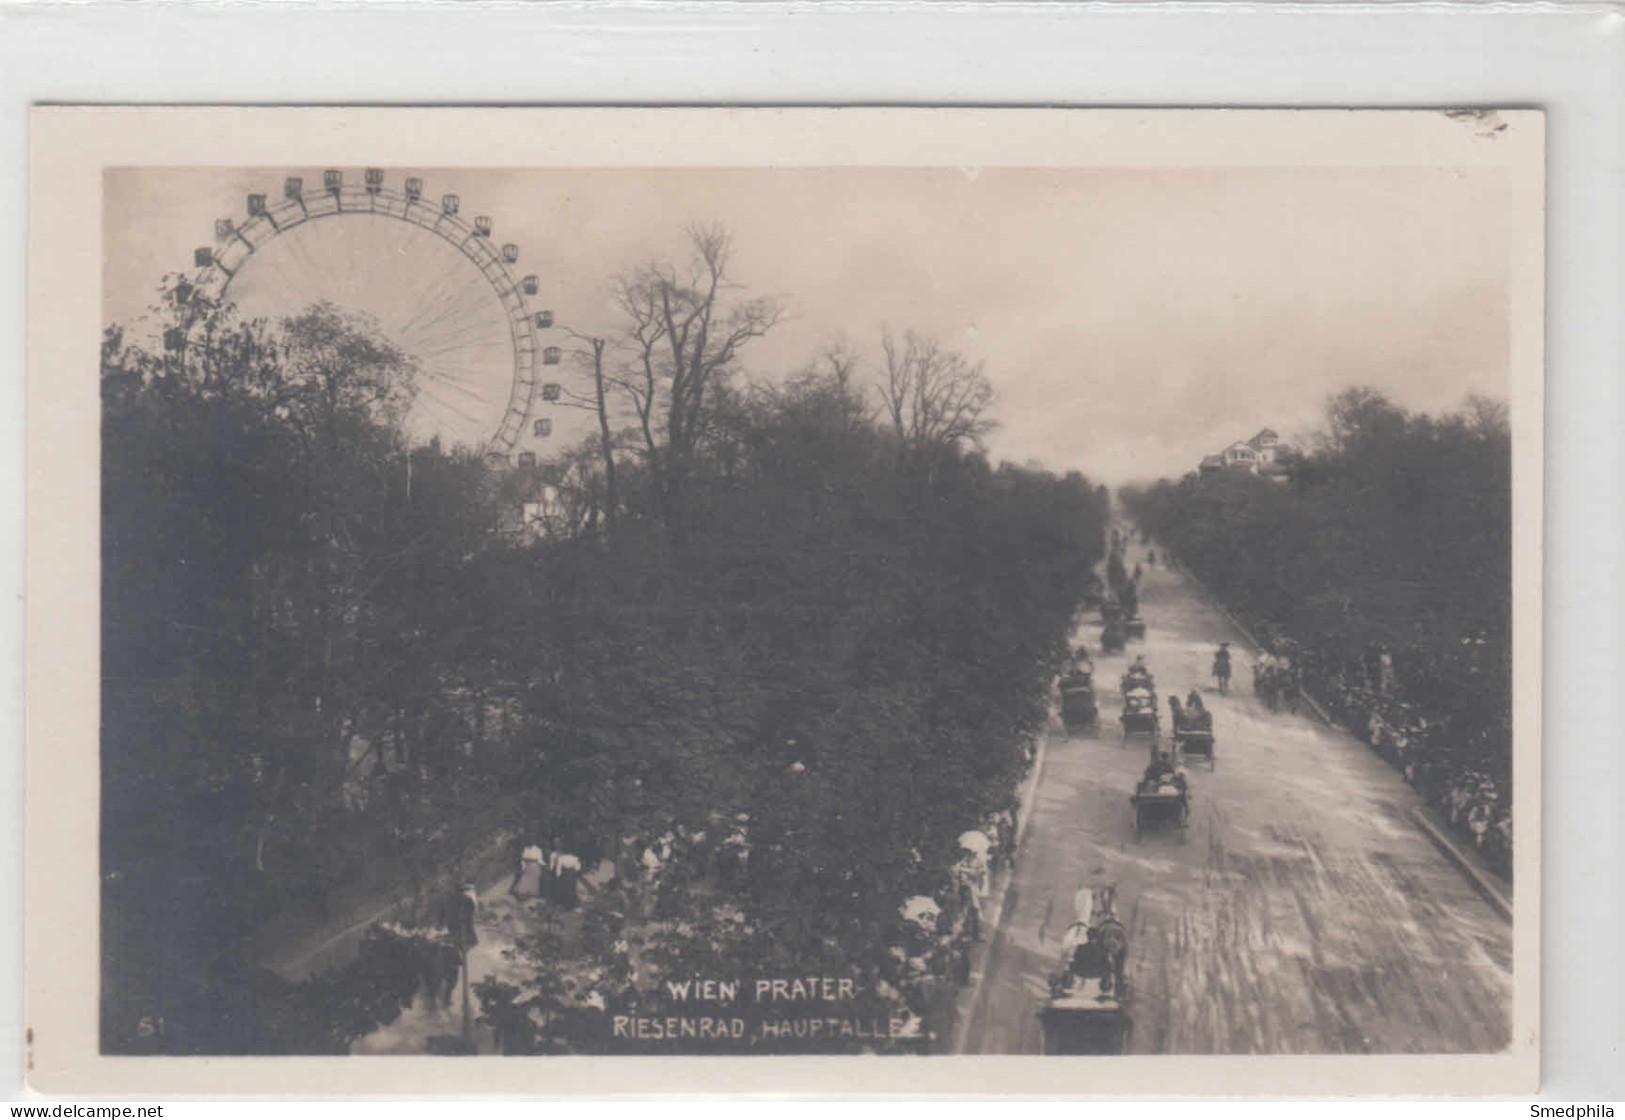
(435, 285)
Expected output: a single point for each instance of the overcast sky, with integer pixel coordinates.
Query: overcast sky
(1130, 320)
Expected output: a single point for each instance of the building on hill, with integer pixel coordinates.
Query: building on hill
(1266, 442)
(1241, 456)
(1259, 455)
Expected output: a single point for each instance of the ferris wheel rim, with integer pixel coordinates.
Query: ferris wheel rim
(237, 243)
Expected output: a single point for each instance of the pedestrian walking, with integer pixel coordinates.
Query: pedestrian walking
(527, 881)
(566, 870)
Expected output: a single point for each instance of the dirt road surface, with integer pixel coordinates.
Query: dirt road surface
(1302, 912)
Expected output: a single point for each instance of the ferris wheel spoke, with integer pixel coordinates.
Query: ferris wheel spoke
(453, 286)
(420, 298)
(316, 277)
(447, 406)
(433, 306)
(458, 393)
(487, 333)
(272, 261)
(458, 384)
(468, 396)
(456, 305)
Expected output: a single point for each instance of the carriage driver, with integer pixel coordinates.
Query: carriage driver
(1089, 957)
(1163, 771)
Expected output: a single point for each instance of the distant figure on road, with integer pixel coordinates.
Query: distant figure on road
(1221, 667)
(1151, 559)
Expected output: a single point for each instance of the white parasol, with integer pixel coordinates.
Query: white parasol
(921, 911)
(975, 841)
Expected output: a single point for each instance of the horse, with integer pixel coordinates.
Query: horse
(1096, 911)
(1113, 939)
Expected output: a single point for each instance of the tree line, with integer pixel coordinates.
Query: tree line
(1383, 568)
(331, 665)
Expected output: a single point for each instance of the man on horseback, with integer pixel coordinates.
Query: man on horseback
(1221, 667)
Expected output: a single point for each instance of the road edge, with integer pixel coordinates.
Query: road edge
(1487, 888)
(994, 922)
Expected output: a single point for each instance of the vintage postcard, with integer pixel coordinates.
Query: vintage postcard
(1045, 599)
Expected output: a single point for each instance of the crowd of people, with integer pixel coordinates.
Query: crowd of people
(661, 902)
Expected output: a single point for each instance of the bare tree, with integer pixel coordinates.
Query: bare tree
(933, 396)
(1487, 416)
(590, 356)
(839, 361)
(682, 335)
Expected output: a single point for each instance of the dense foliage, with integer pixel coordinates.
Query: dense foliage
(332, 667)
(1383, 568)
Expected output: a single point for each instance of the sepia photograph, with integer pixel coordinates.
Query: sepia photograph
(927, 608)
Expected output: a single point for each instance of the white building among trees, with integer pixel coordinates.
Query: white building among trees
(1258, 455)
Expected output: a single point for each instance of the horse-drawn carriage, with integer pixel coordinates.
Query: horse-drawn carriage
(1112, 637)
(1193, 734)
(1161, 799)
(1137, 676)
(1197, 741)
(1140, 718)
(1079, 711)
(1087, 1010)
